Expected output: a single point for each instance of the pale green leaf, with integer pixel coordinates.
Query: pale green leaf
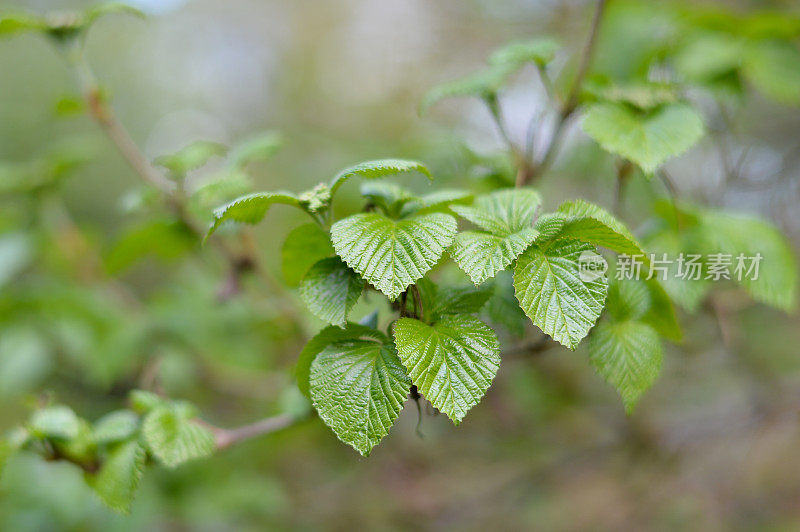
(481, 254)
(392, 254)
(330, 290)
(258, 148)
(503, 212)
(191, 157)
(452, 362)
(358, 388)
(391, 198)
(643, 95)
(773, 66)
(628, 355)
(174, 438)
(118, 479)
(556, 294)
(250, 209)
(326, 337)
(484, 84)
(776, 284)
(593, 224)
(115, 426)
(540, 51)
(648, 138)
(378, 169)
(303, 247)
(58, 422)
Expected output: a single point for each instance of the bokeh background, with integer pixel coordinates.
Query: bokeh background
(714, 445)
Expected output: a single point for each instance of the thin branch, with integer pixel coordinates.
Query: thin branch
(226, 437)
(570, 103)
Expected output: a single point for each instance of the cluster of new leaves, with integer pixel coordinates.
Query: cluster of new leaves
(114, 450)
(358, 376)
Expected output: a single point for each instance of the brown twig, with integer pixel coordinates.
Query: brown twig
(570, 102)
(226, 437)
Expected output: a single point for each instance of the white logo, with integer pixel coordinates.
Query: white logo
(591, 266)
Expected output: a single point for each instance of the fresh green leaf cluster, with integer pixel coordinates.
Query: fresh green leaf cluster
(359, 377)
(114, 450)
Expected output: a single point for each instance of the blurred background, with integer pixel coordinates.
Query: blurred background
(714, 445)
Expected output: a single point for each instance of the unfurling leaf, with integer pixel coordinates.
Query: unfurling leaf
(452, 362)
(330, 289)
(557, 292)
(392, 254)
(115, 426)
(174, 437)
(378, 169)
(250, 209)
(358, 388)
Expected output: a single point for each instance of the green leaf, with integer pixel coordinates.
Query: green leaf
(258, 148)
(191, 157)
(378, 169)
(115, 426)
(438, 201)
(303, 247)
(589, 223)
(503, 212)
(389, 197)
(165, 239)
(452, 362)
(58, 422)
(250, 209)
(460, 300)
(143, 401)
(776, 284)
(484, 84)
(709, 56)
(661, 314)
(174, 438)
(326, 337)
(643, 95)
(507, 217)
(330, 290)
(117, 481)
(540, 51)
(10, 443)
(358, 388)
(627, 354)
(392, 254)
(648, 138)
(503, 307)
(773, 66)
(554, 292)
(481, 255)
